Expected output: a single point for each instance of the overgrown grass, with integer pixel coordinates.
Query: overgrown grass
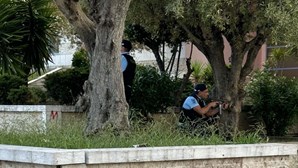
(70, 136)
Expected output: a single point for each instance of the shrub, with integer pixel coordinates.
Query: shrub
(274, 100)
(152, 92)
(80, 59)
(8, 82)
(20, 95)
(66, 86)
(208, 76)
(198, 69)
(38, 95)
(25, 95)
(202, 73)
(188, 88)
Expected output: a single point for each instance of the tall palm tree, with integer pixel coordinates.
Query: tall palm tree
(41, 24)
(36, 27)
(11, 33)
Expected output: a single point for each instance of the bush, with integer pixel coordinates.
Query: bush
(208, 76)
(80, 59)
(152, 92)
(66, 86)
(25, 95)
(198, 69)
(202, 73)
(274, 100)
(8, 82)
(38, 95)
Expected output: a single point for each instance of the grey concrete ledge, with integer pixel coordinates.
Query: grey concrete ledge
(148, 154)
(51, 156)
(39, 155)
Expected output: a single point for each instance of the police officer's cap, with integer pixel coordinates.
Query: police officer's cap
(126, 44)
(200, 87)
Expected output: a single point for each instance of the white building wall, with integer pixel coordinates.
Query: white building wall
(64, 57)
(145, 55)
(66, 50)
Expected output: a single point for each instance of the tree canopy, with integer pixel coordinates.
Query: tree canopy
(148, 24)
(246, 25)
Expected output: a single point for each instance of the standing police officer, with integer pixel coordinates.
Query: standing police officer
(128, 67)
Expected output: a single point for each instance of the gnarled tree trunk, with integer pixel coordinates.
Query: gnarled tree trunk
(229, 82)
(101, 32)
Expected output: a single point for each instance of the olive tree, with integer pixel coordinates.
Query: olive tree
(100, 28)
(246, 25)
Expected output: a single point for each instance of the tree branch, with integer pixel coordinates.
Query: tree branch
(85, 28)
(253, 48)
(199, 43)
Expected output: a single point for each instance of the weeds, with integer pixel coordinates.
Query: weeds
(70, 136)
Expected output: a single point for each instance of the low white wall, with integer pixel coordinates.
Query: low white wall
(20, 116)
(270, 155)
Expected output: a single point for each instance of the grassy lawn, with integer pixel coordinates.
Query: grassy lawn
(161, 133)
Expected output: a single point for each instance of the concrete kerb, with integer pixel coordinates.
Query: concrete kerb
(51, 156)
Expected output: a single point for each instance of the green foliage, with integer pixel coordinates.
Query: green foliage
(66, 86)
(10, 35)
(148, 24)
(40, 21)
(80, 59)
(38, 95)
(20, 95)
(149, 20)
(188, 88)
(277, 20)
(276, 55)
(197, 73)
(208, 76)
(35, 75)
(202, 74)
(26, 95)
(29, 32)
(247, 137)
(8, 82)
(152, 92)
(274, 100)
(70, 136)
(284, 18)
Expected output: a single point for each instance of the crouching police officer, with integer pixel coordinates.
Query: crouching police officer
(195, 111)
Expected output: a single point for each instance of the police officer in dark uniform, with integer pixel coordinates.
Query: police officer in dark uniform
(195, 110)
(128, 67)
